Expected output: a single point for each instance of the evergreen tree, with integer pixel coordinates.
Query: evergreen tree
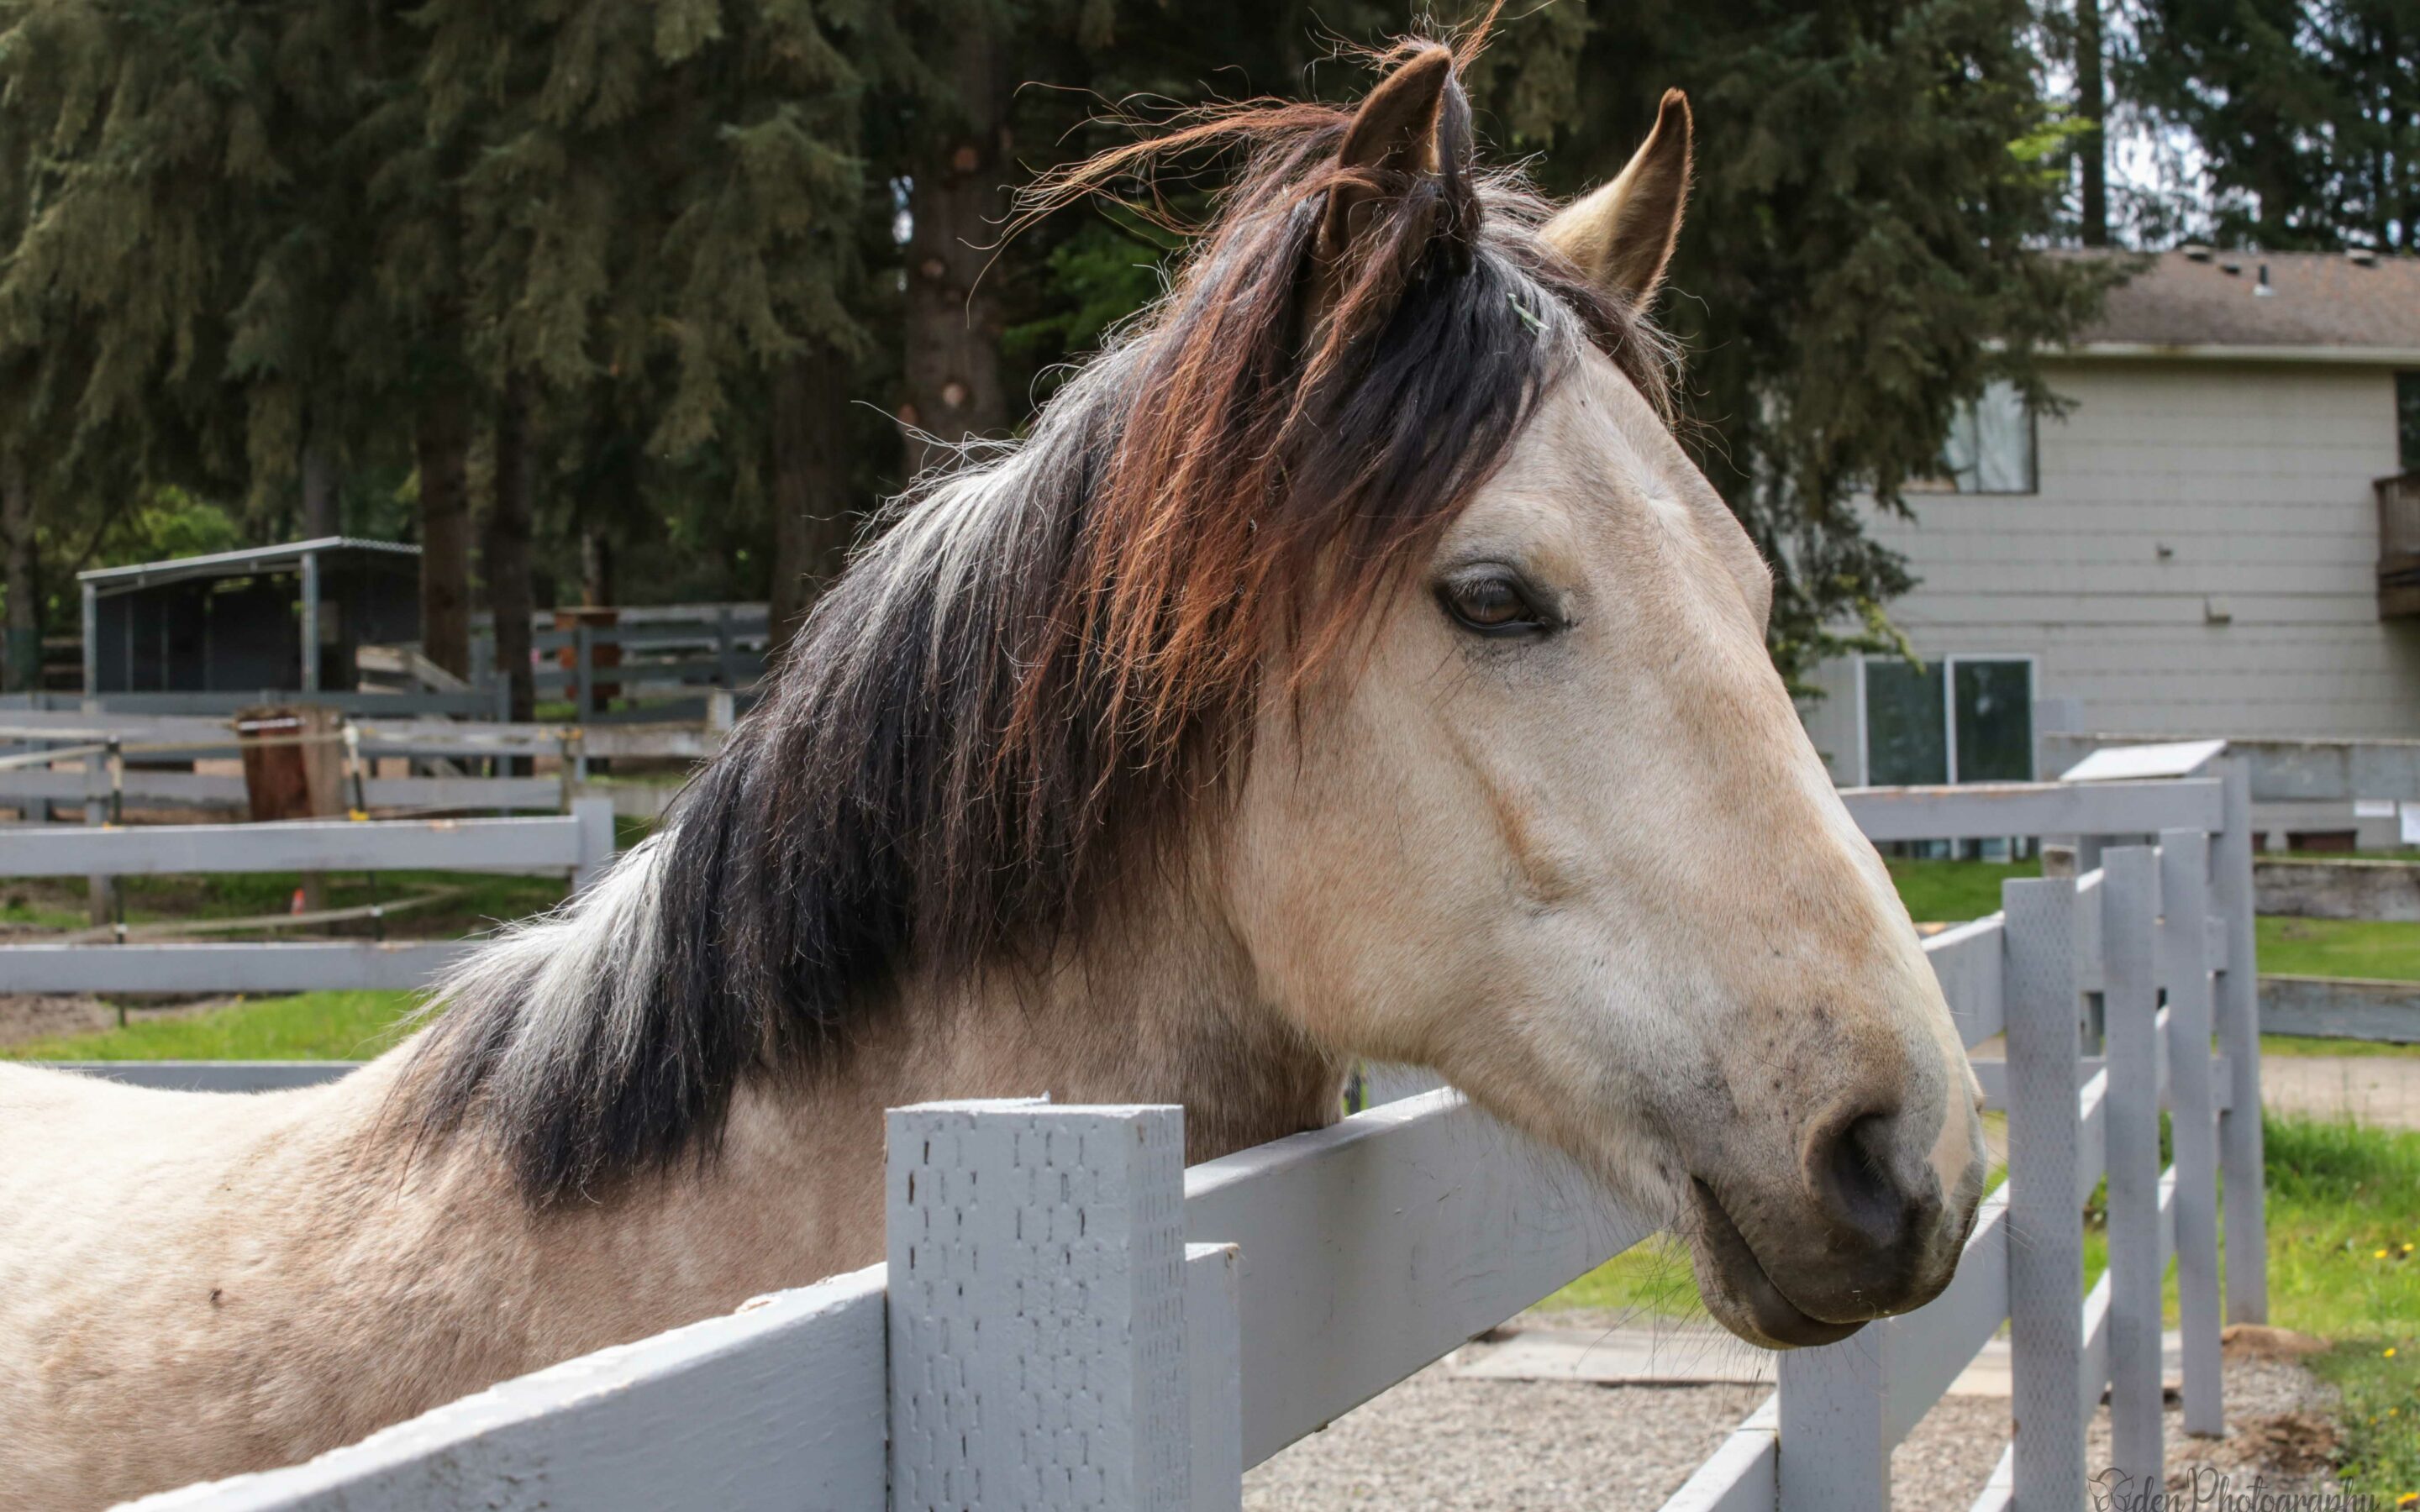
(1874, 184)
(2307, 113)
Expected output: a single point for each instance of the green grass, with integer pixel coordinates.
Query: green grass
(1652, 1280)
(2339, 1194)
(311, 1026)
(26, 912)
(2381, 1418)
(2344, 1262)
(2344, 1231)
(2293, 1046)
(1952, 892)
(2339, 947)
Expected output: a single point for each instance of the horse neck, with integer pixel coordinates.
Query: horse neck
(1161, 1007)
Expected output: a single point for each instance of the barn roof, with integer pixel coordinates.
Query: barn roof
(2317, 306)
(286, 558)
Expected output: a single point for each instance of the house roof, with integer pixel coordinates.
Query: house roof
(2323, 306)
(286, 558)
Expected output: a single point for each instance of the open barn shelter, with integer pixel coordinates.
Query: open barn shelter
(234, 621)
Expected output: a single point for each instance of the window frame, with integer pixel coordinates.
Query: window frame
(1948, 475)
(1948, 668)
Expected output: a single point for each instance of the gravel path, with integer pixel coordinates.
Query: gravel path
(1440, 1441)
(1437, 1443)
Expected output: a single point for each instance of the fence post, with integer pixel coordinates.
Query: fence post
(2129, 905)
(594, 817)
(101, 889)
(1835, 1450)
(1036, 1302)
(584, 706)
(2238, 1035)
(725, 672)
(2184, 968)
(1213, 1369)
(2044, 1008)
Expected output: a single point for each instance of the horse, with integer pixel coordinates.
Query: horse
(1350, 664)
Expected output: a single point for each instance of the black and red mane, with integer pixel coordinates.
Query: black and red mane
(1050, 658)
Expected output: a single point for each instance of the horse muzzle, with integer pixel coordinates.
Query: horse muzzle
(1862, 1230)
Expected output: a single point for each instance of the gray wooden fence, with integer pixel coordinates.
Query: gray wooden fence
(580, 843)
(1067, 1318)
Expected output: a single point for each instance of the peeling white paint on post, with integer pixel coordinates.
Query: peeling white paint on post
(2185, 965)
(2238, 1013)
(1834, 1445)
(2045, 1223)
(2129, 905)
(1037, 1307)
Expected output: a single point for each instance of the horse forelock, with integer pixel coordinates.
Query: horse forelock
(1040, 674)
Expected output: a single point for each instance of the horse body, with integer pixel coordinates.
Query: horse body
(196, 1285)
(1350, 665)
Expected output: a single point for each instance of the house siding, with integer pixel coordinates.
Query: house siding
(2255, 477)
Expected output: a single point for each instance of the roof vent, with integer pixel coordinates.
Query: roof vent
(2362, 256)
(2196, 252)
(2264, 286)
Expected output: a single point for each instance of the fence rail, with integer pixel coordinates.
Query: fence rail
(28, 786)
(580, 842)
(1221, 1313)
(191, 737)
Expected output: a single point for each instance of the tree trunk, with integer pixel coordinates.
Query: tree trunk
(956, 203)
(443, 444)
(505, 555)
(596, 566)
(2093, 103)
(21, 667)
(812, 522)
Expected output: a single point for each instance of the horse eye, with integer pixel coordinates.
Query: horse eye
(1490, 605)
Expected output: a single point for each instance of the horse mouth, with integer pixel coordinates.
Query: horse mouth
(1746, 1301)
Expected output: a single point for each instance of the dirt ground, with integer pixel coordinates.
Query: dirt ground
(38, 1015)
(2382, 1091)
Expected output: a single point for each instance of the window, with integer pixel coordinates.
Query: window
(2406, 419)
(1907, 742)
(1959, 719)
(1991, 445)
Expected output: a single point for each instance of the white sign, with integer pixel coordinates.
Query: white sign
(2113, 764)
(2412, 824)
(2373, 808)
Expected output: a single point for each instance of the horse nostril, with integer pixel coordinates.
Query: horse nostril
(1854, 1173)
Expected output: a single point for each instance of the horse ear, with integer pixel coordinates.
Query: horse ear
(1622, 236)
(1393, 133)
(1401, 187)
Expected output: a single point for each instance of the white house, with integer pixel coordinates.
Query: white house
(2194, 548)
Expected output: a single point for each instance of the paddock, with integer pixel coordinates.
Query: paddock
(1068, 1316)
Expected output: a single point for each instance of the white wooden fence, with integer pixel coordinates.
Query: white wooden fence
(580, 842)
(1067, 1318)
